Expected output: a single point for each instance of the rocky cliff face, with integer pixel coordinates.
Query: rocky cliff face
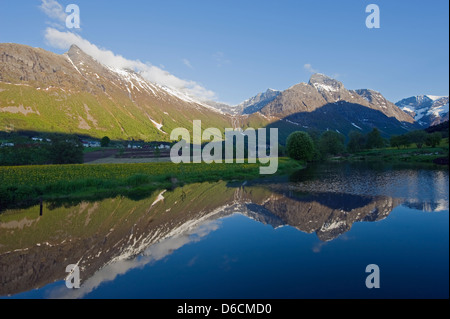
(257, 102)
(322, 90)
(21, 64)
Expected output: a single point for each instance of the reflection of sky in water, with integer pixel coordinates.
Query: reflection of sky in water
(415, 186)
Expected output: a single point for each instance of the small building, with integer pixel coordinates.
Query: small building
(134, 146)
(40, 139)
(91, 143)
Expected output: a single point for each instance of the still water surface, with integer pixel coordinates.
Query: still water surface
(310, 235)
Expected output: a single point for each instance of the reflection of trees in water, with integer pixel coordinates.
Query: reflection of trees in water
(374, 179)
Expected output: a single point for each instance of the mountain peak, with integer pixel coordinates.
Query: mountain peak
(78, 54)
(80, 95)
(74, 49)
(427, 110)
(319, 77)
(83, 60)
(257, 102)
(323, 82)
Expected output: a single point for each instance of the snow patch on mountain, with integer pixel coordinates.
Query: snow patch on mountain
(324, 87)
(427, 110)
(434, 97)
(129, 76)
(257, 102)
(439, 110)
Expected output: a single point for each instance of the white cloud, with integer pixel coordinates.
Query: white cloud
(63, 41)
(187, 63)
(53, 10)
(308, 67)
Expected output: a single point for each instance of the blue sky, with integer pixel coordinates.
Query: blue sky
(231, 50)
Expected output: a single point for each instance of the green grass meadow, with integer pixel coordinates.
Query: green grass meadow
(26, 185)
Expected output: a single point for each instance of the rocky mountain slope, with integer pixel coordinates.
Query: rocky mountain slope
(257, 102)
(74, 93)
(322, 90)
(427, 110)
(325, 104)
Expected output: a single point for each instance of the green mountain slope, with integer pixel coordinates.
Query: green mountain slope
(73, 93)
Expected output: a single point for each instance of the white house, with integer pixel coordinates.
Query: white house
(91, 144)
(134, 146)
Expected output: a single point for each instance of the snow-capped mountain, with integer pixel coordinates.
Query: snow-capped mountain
(325, 104)
(323, 90)
(427, 110)
(257, 102)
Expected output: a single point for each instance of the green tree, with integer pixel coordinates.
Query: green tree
(281, 150)
(356, 142)
(157, 151)
(433, 139)
(404, 140)
(65, 150)
(374, 139)
(105, 141)
(396, 141)
(417, 137)
(331, 143)
(24, 155)
(300, 146)
(315, 136)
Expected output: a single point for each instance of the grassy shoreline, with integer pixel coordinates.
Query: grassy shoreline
(413, 155)
(23, 186)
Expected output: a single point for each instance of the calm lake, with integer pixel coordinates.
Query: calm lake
(310, 235)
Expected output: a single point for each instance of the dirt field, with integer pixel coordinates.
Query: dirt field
(97, 155)
(113, 160)
(115, 156)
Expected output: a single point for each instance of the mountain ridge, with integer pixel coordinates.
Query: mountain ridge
(74, 93)
(427, 110)
(322, 90)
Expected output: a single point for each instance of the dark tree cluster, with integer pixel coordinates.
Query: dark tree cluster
(420, 138)
(60, 150)
(302, 146)
(359, 142)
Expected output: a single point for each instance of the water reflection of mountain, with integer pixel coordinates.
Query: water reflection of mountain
(34, 250)
(328, 214)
